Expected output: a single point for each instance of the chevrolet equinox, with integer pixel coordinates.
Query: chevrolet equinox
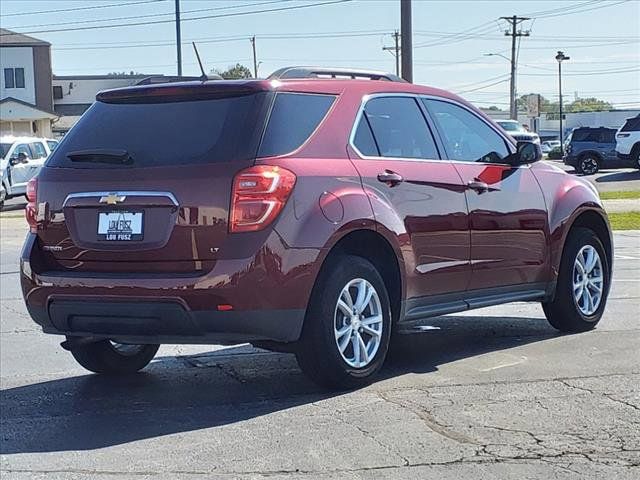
(317, 212)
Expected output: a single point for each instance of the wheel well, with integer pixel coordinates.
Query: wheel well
(376, 249)
(592, 153)
(594, 221)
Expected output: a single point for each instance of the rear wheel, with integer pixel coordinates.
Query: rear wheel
(110, 357)
(588, 164)
(583, 284)
(348, 325)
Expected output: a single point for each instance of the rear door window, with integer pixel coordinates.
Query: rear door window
(399, 128)
(167, 132)
(363, 139)
(608, 136)
(38, 150)
(293, 119)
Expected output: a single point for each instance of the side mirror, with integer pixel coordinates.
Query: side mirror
(527, 152)
(13, 161)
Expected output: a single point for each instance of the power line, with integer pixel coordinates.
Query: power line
(148, 15)
(562, 14)
(75, 9)
(206, 40)
(156, 22)
(481, 88)
(593, 72)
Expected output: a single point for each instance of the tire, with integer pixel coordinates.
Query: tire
(588, 164)
(318, 352)
(635, 156)
(565, 312)
(109, 358)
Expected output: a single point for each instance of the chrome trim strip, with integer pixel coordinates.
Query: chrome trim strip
(416, 96)
(125, 193)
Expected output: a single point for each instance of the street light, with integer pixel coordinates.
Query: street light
(560, 57)
(513, 111)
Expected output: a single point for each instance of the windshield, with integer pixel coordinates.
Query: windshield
(167, 133)
(510, 126)
(4, 149)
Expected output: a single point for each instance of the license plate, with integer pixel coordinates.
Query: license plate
(120, 226)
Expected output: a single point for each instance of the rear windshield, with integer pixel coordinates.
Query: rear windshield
(168, 133)
(631, 125)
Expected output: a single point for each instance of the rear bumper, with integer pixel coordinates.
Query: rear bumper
(268, 301)
(153, 321)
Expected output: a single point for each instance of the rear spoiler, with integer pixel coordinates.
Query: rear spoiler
(171, 92)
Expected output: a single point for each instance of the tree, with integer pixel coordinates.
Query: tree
(122, 74)
(235, 72)
(590, 104)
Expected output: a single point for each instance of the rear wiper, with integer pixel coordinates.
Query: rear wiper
(101, 155)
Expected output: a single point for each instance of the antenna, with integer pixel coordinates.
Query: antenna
(204, 76)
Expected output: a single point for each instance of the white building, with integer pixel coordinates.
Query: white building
(73, 94)
(26, 99)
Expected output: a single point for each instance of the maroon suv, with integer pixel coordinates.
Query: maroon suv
(317, 212)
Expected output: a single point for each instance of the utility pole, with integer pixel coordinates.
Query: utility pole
(255, 59)
(407, 41)
(514, 33)
(561, 57)
(178, 39)
(396, 49)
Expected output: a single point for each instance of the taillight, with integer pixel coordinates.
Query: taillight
(31, 210)
(258, 195)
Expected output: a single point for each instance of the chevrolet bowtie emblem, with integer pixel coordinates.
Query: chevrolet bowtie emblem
(112, 199)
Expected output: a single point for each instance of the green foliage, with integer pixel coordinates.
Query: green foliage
(234, 72)
(555, 154)
(590, 104)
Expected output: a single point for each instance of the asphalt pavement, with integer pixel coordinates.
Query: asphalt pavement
(494, 393)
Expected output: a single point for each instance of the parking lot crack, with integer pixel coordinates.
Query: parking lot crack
(428, 419)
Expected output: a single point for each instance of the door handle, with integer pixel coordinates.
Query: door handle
(390, 178)
(480, 186)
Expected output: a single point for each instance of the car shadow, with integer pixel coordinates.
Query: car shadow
(182, 394)
(13, 207)
(619, 177)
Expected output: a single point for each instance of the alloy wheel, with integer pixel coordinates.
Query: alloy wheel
(589, 166)
(358, 323)
(588, 280)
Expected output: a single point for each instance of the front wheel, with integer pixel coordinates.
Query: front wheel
(348, 325)
(583, 284)
(110, 357)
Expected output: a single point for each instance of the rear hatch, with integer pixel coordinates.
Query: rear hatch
(142, 183)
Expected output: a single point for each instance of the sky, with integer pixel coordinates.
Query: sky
(451, 40)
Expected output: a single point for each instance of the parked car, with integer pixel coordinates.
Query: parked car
(21, 158)
(318, 216)
(549, 145)
(515, 130)
(590, 149)
(628, 141)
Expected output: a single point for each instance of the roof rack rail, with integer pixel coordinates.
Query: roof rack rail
(155, 79)
(325, 72)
